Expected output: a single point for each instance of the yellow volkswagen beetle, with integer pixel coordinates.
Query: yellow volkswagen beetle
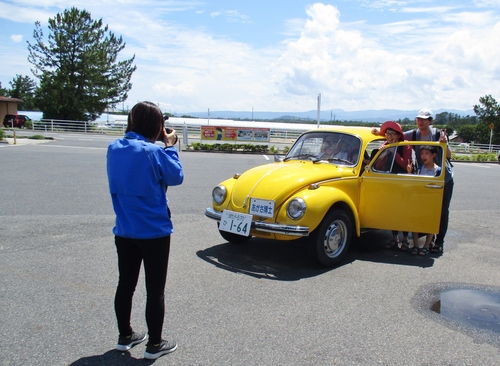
(334, 183)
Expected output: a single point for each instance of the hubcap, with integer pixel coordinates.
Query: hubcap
(335, 238)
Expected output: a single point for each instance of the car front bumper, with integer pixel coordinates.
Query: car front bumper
(291, 230)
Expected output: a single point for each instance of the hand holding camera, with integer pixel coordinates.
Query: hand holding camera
(169, 137)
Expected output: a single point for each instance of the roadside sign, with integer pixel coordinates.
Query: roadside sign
(491, 126)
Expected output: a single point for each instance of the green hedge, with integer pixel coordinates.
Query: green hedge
(236, 148)
(229, 147)
(474, 157)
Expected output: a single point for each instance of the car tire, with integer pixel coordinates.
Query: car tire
(234, 238)
(331, 240)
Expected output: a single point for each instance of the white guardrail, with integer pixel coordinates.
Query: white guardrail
(190, 129)
(286, 134)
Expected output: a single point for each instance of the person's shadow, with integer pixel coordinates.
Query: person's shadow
(112, 358)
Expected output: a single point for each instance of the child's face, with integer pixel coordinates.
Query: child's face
(427, 157)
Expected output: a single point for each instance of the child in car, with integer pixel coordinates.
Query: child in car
(429, 168)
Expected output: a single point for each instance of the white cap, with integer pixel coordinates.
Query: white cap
(425, 114)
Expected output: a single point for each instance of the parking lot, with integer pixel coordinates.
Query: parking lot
(263, 303)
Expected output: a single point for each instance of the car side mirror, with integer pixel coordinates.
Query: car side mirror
(279, 158)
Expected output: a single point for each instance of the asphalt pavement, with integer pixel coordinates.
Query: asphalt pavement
(263, 303)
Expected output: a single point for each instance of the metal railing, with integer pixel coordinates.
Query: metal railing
(193, 132)
(55, 125)
(473, 148)
(286, 136)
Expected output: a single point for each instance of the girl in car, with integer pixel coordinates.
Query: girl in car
(394, 133)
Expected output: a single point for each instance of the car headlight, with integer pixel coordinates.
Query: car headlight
(296, 208)
(219, 194)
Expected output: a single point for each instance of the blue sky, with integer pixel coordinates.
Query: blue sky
(278, 55)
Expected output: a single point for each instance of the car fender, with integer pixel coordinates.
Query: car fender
(228, 184)
(319, 201)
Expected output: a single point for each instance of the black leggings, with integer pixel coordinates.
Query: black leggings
(131, 253)
(445, 213)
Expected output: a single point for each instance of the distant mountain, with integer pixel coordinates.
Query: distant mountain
(326, 115)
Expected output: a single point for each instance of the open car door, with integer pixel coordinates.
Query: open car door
(401, 201)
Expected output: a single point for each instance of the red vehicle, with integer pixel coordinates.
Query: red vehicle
(15, 120)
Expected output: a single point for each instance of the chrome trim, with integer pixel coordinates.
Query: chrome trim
(433, 186)
(265, 226)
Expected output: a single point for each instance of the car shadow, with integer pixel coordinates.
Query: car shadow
(112, 358)
(293, 260)
(263, 258)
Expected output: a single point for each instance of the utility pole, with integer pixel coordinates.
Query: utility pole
(319, 107)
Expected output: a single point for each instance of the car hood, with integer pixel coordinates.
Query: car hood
(280, 180)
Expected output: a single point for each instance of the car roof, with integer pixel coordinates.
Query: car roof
(365, 133)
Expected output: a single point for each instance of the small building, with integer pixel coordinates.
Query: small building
(456, 138)
(8, 106)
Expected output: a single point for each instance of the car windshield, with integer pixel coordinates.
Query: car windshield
(332, 147)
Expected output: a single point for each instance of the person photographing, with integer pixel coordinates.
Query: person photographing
(139, 172)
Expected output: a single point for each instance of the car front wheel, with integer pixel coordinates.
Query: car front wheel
(332, 238)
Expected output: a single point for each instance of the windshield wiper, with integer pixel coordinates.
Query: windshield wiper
(338, 159)
(302, 156)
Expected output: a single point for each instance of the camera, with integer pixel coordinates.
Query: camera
(169, 131)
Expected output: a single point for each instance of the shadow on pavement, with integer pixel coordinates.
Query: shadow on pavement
(112, 358)
(262, 258)
(292, 260)
(370, 248)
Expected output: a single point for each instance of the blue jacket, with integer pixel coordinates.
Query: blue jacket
(139, 173)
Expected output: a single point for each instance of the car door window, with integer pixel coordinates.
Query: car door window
(385, 161)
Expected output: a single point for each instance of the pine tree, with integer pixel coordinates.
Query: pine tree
(78, 67)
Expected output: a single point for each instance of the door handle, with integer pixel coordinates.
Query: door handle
(433, 186)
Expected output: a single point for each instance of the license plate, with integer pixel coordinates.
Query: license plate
(235, 222)
(262, 208)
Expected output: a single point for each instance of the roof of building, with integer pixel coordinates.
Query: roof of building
(7, 99)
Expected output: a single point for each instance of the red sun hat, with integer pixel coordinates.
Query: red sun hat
(392, 126)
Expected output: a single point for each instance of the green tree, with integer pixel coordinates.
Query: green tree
(406, 121)
(3, 92)
(488, 112)
(467, 132)
(23, 87)
(78, 67)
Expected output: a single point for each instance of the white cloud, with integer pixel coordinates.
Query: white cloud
(487, 3)
(430, 10)
(16, 38)
(439, 56)
(396, 65)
